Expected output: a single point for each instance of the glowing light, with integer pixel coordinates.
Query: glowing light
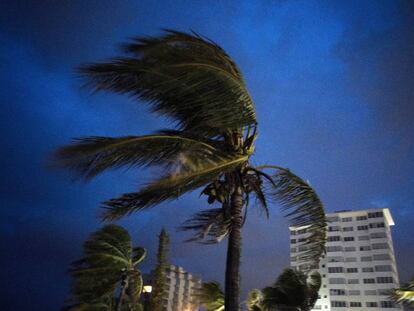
(147, 289)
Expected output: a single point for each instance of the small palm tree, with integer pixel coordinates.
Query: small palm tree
(211, 296)
(109, 267)
(293, 291)
(193, 82)
(405, 294)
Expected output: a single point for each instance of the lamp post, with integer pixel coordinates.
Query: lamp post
(147, 295)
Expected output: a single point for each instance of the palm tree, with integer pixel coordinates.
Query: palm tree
(405, 294)
(193, 82)
(211, 296)
(109, 267)
(293, 291)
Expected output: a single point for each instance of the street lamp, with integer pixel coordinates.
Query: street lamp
(147, 289)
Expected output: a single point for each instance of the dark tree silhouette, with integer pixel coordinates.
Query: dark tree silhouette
(160, 277)
(109, 267)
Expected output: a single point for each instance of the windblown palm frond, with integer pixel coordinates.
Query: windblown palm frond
(303, 209)
(109, 257)
(211, 226)
(254, 299)
(182, 76)
(292, 291)
(171, 186)
(404, 295)
(211, 296)
(314, 283)
(92, 155)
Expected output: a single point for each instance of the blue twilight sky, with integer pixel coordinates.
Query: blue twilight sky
(334, 88)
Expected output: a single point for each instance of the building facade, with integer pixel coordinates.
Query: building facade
(181, 290)
(359, 266)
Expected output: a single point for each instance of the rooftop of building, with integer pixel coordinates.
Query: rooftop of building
(352, 213)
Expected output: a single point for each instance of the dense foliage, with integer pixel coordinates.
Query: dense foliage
(292, 291)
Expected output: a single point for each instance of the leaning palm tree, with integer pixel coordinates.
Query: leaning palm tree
(293, 291)
(405, 294)
(109, 267)
(211, 296)
(193, 82)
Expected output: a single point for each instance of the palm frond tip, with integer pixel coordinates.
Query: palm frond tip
(92, 155)
(302, 207)
(211, 226)
(181, 76)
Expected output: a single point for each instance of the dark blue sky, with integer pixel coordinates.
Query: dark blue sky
(334, 88)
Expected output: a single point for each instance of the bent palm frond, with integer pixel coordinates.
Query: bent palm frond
(92, 155)
(303, 209)
(211, 226)
(183, 77)
(171, 186)
(404, 295)
(211, 296)
(254, 300)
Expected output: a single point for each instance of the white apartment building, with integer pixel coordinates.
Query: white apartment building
(181, 292)
(359, 266)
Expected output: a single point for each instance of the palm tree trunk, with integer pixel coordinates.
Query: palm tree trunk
(124, 285)
(232, 286)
